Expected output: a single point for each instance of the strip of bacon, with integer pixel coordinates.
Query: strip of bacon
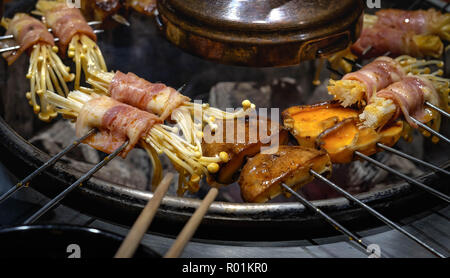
(410, 95)
(116, 123)
(27, 31)
(66, 23)
(377, 75)
(384, 39)
(156, 98)
(419, 22)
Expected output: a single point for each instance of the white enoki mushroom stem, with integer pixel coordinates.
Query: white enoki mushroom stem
(86, 55)
(46, 72)
(184, 115)
(370, 20)
(417, 66)
(182, 154)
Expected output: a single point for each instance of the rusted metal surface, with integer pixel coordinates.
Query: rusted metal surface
(261, 33)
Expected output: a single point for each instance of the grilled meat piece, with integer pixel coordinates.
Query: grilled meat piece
(262, 175)
(243, 143)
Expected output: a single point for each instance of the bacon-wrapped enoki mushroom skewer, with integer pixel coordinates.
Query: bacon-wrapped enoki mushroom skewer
(118, 122)
(377, 40)
(163, 101)
(359, 87)
(408, 97)
(423, 22)
(46, 70)
(76, 37)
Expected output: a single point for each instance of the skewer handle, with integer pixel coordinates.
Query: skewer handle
(69, 189)
(134, 237)
(191, 226)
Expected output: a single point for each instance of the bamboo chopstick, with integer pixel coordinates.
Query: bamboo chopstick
(134, 237)
(192, 225)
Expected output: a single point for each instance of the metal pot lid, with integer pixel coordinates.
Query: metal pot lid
(260, 32)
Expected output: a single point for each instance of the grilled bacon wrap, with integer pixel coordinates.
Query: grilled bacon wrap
(384, 39)
(116, 123)
(425, 22)
(66, 23)
(410, 95)
(156, 98)
(377, 75)
(27, 31)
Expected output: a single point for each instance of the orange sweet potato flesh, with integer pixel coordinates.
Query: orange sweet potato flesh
(241, 146)
(346, 137)
(262, 175)
(307, 122)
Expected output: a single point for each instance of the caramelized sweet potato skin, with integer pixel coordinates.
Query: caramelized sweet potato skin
(346, 137)
(307, 122)
(241, 146)
(262, 175)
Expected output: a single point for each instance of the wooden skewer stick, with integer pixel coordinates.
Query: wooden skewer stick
(134, 237)
(192, 225)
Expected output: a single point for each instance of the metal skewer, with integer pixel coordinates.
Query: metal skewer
(45, 166)
(430, 130)
(16, 47)
(403, 176)
(85, 177)
(412, 158)
(330, 220)
(437, 109)
(91, 23)
(375, 213)
(367, 50)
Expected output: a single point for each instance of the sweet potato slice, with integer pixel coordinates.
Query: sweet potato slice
(240, 144)
(309, 121)
(346, 137)
(262, 175)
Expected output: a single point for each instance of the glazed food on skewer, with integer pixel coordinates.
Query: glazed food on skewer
(116, 123)
(119, 122)
(262, 175)
(337, 130)
(163, 101)
(46, 70)
(378, 40)
(358, 87)
(307, 122)
(407, 98)
(343, 139)
(76, 38)
(138, 92)
(424, 22)
(237, 140)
